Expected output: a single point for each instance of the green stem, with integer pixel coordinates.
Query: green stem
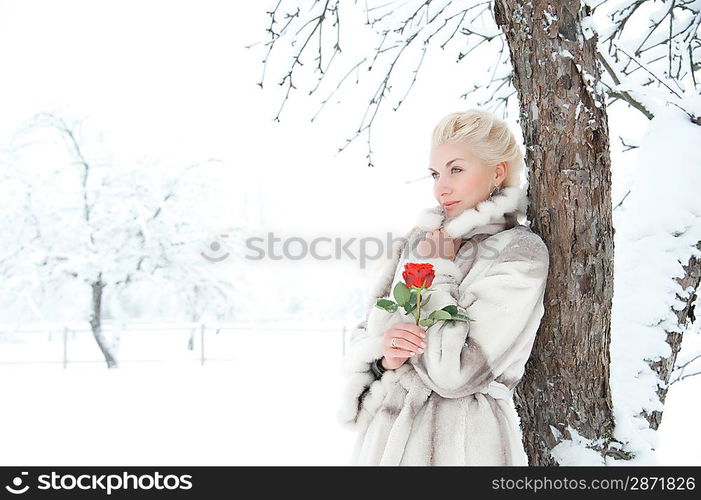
(418, 305)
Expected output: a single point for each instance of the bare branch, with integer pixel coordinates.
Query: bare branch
(626, 96)
(669, 45)
(402, 28)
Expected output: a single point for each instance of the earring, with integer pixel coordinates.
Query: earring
(496, 190)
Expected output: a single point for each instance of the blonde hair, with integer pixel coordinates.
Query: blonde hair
(489, 138)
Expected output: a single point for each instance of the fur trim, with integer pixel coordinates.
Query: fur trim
(486, 213)
(430, 218)
(347, 413)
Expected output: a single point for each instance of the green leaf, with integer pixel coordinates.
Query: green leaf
(411, 303)
(401, 293)
(427, 322)
(460, 317)
(409, 307)
(452, 309)
(440, 314)
(386, 304)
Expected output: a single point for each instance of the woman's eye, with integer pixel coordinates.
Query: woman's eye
(434, 174)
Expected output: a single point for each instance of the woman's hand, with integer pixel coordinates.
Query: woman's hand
(410, 341)
(438, 244)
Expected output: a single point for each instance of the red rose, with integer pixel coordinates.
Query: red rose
(417, 275)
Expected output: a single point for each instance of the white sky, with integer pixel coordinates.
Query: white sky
(173, 81)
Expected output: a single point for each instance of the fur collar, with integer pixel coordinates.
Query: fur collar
(488, 216)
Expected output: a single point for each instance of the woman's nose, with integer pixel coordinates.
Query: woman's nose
(443, 188)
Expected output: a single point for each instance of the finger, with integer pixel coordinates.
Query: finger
(445, 236)
(399, 353)
(403, 344)
(417, 335)
(416, 341)
(410, 345)
(411, 328)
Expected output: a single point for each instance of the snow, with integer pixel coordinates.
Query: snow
(176, 411)
(576, 451)
(588, 27)
(549, 18)
(656, 230)
(644, 68)
(566, 53)
(267, 396)
(679, 439)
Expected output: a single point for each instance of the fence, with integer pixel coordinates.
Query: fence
(160, 342)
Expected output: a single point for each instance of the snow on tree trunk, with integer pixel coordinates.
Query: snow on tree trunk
(565, 391)
(658, 269)
(664, 366)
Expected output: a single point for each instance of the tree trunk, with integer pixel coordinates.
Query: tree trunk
(96, 322)
(565, 130)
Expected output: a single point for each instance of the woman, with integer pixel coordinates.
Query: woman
(443, 395)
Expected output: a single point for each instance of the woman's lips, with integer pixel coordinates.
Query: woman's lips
(450, 205)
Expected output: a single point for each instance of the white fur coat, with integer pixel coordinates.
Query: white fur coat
(453, 404)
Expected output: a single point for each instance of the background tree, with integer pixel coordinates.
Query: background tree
(82, 228)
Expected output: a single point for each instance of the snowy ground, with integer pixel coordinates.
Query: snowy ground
(275, 403)
(274, 408)
(679, 439)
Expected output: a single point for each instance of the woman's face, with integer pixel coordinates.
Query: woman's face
(459, 176)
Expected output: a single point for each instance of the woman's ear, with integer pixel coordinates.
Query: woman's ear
(501, 170)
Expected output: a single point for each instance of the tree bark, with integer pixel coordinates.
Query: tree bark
(566, 382)
(665, 366)
(96, 322)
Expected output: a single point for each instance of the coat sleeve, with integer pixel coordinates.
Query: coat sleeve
(505, 304)
(365, 345)
(363, 348)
